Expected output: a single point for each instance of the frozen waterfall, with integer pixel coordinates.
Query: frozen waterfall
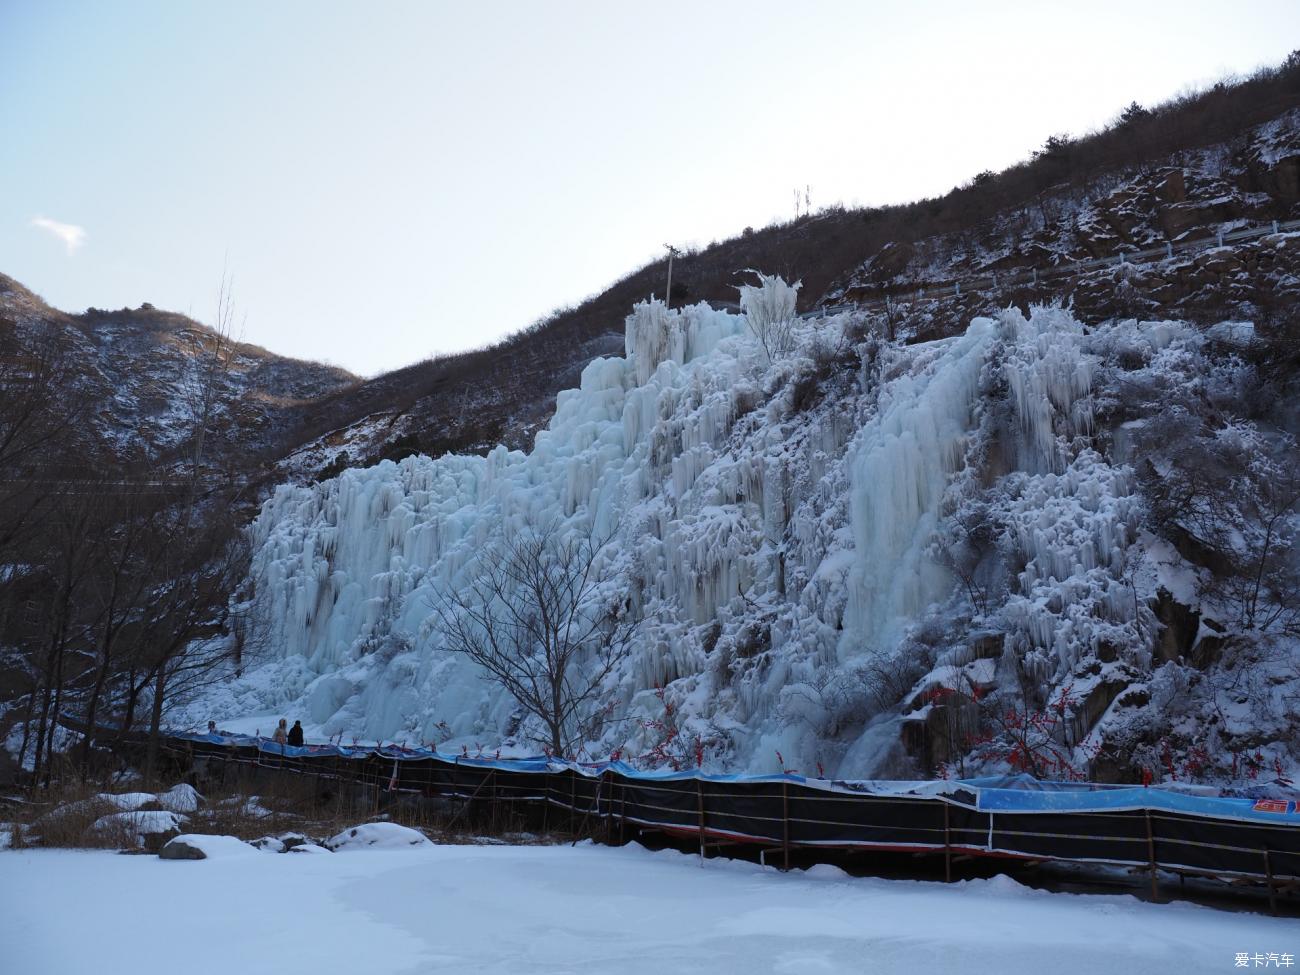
(767, 550)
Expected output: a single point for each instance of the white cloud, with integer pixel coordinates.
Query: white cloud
(73, 237)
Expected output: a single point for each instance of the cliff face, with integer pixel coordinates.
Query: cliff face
(1027, 546)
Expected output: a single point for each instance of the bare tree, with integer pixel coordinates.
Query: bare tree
(535, 620)
(769, 309)
(124, 562)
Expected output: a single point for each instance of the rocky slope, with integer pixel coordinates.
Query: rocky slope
(142, 375)
(473, 402)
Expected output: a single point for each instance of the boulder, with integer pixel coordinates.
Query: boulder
(1181, 623)
(1208, 651)
(890, 261)
(1089, 710)
(938, 733)
(145, 829)
(284, 843)
(986, 645)
(201, 846)
(180, 798)
(130, 801)
(383, 836)
(1171, 187)
(179, 849)
(1285, 177)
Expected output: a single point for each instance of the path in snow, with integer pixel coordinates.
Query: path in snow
(588, 910)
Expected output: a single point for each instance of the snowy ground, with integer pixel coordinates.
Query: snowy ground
(590, 910)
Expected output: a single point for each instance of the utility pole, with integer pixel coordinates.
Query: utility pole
(668, 296)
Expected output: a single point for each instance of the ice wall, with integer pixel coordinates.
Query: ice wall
(906, 457)
(768, 550)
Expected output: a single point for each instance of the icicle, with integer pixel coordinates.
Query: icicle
(902, 467)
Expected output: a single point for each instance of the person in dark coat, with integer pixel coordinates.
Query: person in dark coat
(295, 733)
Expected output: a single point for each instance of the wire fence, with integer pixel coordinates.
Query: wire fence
(781, 814)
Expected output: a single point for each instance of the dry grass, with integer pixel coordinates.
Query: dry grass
(260, 805)
(65, 816)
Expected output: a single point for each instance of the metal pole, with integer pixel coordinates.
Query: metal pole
(699, 794)
(1272, 891)
(947, 847)
(1151, 857)
(595, 805)
(668, 295)
(546, 802)
(785, 824)
(622, 813)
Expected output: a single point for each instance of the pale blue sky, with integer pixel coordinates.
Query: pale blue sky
(389, 180)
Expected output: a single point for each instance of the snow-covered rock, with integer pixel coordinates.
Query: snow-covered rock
(202, 846)
(284, 843)
(130, 801)
(182, 798)
(379, 836)
(149, 829)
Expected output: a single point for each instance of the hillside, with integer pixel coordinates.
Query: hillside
(137, 374)
(1183, 171)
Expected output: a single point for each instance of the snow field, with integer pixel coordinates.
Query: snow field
(589, 909)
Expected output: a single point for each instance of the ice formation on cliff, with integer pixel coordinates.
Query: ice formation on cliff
(773, 552)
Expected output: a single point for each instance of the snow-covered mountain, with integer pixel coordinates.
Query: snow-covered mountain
(138, 371)
(861, 556)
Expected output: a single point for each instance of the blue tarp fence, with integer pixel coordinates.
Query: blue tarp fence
(1005, 794)
(1175, 827)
